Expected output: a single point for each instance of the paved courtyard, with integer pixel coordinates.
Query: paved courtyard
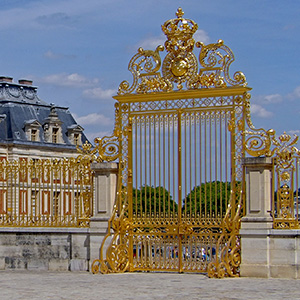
(68, 285)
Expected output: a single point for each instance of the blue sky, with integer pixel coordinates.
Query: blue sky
(77, 52)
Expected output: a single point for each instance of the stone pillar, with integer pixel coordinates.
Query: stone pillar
(257, 223)
(105, 195)
(105, 189)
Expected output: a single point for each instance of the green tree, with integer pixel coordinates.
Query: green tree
(210, 197)
(151, 200)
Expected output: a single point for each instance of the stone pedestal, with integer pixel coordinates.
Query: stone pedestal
(257, 223)
(106, 176)
(105, 188)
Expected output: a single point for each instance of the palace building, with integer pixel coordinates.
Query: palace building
(32, 128)
(42, 183)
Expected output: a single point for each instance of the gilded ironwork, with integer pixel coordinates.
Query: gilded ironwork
(179, 139)
(46, 193)
(180, 65)
(285, 204)
(285, 154)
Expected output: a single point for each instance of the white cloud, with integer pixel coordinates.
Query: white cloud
(57, 19)
(94, 119)
(260, 111)
(268, 99)
(100, 134)
(99, 93)
(51, 55)
(70, 80)
(297, 132)
(151, 43)
(43, 14)
(275, 98)
(295, 94)
(201, 36)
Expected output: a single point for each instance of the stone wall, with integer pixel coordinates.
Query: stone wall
(62, 249)
(270, 253)
(45, 249)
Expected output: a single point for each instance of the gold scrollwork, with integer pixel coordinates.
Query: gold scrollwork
(180, 65)
(215, 60)
(99, 266)
(228, 259)
(285, 155)
(86, 152)
(285, 150)
(285, 199)
(185, 229)
(258, 142)
(118, 258)
(145, 65)
(107, 148)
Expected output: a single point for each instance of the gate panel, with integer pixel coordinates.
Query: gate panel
(206, 180)
(154, 161)
(181, 185)
(155, 203)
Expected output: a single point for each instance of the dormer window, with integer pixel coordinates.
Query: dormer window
(32, 130)
(55, 139)
(76, 139)
(75, 134)
(52, 128)
(33, 135)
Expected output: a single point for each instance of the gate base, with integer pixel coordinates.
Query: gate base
(270, 253)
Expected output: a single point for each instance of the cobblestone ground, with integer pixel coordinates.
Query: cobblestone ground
(68, 285)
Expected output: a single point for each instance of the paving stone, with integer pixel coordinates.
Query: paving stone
(33, 285)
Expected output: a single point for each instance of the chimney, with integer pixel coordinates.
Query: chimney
(6, 79)
(25, 81)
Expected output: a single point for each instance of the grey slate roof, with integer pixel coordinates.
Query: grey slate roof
(20, 106)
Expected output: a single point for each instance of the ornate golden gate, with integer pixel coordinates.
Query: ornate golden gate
(179, 138)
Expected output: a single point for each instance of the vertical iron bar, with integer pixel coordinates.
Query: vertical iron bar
(159, 168)
(145, 163)
(136, 166)
(200, 169)
(216, 166)
(226, 159)
(174, 169)
(205, 167)
(141, 168)
(190, 163)
(210, 164)
(179, 190)
(185, 162)
(154, 171)
(164, 166)
(233, 162)
(221, 168)
(150, 167)
(196, 163)
(297, 187)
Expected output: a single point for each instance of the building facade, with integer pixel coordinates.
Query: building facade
(42, 183)
(32, 128)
